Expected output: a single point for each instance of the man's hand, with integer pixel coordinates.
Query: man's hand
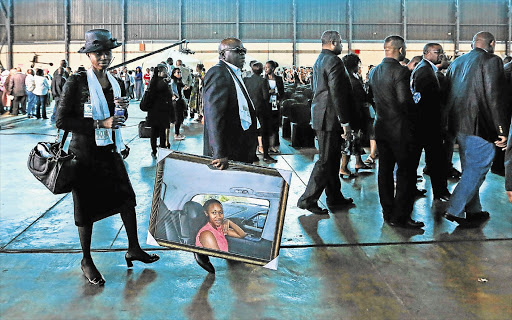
(221, 163)
(509, 194)
(501, 142)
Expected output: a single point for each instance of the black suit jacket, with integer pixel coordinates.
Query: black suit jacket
(223, 132)
(259, 92)
(426, 82)
(508, 154)
(332, 93)
(396, 111)
(475, 94)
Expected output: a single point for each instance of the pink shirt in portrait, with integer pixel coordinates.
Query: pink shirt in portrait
(217, 233)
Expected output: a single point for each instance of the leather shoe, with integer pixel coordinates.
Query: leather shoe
(204, 261)
(411, 224)
(444, 197)
(338, 204)
(453, 218)
(314, 208)
(477, 216)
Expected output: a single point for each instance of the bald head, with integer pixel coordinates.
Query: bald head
(484, 40)
(229, 43)
(394, 47)
(232, 51)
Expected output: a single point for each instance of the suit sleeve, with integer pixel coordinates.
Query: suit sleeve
(70, 115)
(508, 162)
(494, 82)
(266, 91)
(340, 90)
(216, 104)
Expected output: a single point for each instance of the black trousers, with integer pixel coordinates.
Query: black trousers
(265, 132)
(396, 204)
(325, 172)
(18, 104)
(160, 133)
(179, 107)
(435, 160)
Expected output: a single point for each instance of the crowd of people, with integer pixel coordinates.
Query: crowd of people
(402, 108)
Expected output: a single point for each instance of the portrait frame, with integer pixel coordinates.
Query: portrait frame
(167, 212)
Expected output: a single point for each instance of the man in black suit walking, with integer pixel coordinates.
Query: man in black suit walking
(395, 134)
(427, 92)
(330, 117)
(259, 91)
(230, 123)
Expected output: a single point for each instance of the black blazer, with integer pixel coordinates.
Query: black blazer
(426, 82)
(70, 116)
(396, 111)
(259, 92)
(161, 110)
(332, 93)
(223, 133)
(475, 95)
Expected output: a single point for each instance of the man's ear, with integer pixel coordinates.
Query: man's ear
(401, 50)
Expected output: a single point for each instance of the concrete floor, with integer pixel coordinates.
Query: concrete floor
(349, 265)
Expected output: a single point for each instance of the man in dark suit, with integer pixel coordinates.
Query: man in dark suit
(508, 153)
(58, 81)
(230, 121)
(259, 91)
(330, 118)
(475, 95)
(395, 134)
(426, 87)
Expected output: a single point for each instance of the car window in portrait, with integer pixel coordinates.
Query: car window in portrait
(236, 214)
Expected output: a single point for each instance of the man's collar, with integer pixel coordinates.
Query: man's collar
(432, 64)
(233, 67)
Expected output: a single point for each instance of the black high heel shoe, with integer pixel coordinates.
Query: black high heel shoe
(150, 259)
(97, 280)
(204, 261)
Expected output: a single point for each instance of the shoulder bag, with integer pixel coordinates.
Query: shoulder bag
(52, 166)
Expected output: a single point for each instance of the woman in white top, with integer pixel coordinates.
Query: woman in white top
(41, 91)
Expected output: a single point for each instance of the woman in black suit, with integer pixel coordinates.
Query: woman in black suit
(102, 187)
(160, 110)
(276, 85)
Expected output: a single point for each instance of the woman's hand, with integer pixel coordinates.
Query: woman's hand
(112, 122)
(122, 102)
(225, 226)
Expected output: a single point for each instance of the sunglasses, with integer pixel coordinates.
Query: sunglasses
(236, 49)
(438, 52)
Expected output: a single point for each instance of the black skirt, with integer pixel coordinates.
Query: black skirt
(102, 187)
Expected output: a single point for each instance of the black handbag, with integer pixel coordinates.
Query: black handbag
(144, 130)
(51, 165)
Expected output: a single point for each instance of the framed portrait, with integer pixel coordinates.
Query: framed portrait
(236, 214)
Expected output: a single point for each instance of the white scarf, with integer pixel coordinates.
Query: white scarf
(100, 110)
(243, 104)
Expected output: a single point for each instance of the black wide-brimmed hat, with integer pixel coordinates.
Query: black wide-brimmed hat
(98, 40)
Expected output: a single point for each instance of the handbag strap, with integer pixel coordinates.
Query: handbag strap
(63, 141)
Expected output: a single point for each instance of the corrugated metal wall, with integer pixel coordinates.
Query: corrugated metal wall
(43, 20)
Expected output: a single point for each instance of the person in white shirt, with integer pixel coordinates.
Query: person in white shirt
(29, 88)
(41, 91)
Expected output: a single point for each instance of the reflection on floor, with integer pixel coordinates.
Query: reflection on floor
(348, 265)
